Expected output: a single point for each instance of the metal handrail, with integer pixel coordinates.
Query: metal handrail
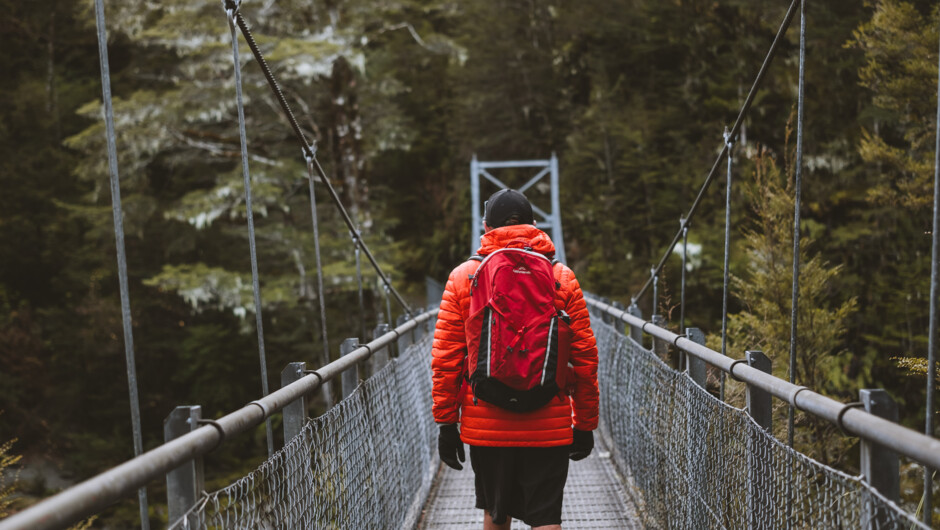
(904, 441)
(95, 494)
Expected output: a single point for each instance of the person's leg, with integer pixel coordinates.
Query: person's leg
(544, 473)
(493, 472)
(488, 523)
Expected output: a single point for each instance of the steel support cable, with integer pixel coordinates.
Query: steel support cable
(795, 290)
(255, 284)
(118, 218)
(655, 292)
(388, 305)
(310, 152)
(685, 254)
(742, 114)
(325, 355)
(729, 144)
(362, 305)
(934, 293)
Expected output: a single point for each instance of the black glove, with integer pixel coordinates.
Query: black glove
(450, 447)
(582, 445)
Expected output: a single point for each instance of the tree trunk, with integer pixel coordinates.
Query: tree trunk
(346, 131)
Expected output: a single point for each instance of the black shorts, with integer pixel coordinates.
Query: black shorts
(525, 483)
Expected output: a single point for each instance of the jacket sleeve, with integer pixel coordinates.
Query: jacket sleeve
(583, 356)
(449, 351)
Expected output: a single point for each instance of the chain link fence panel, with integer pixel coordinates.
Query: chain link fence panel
(695, 462)
(367, 463)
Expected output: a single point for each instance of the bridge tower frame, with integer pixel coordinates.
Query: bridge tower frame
(549, 220)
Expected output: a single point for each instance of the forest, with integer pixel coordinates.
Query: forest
(632, 96)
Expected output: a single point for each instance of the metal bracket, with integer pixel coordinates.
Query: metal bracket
(218, 428)
(316, 373)
(731, 369)
(845, 408)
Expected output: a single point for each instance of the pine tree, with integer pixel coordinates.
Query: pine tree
(764, 291)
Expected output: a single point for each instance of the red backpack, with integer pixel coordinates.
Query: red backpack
(517, 342)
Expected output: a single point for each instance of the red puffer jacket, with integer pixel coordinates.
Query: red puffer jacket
(483, 424)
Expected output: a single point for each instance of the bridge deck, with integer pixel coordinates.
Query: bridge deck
(594, 498)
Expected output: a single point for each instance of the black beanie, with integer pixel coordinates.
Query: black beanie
(504, 204)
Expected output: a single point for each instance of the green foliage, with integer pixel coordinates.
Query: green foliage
(7, 490)
(632, 95)
(900, 47)
(765, 293)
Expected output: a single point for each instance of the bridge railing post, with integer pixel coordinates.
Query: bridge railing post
(380, 357)
(661, 347)
(431, 322)
(404, 340)
(417, 333)
(295, 413)
(350, 375)
(618, 324)
(636, 333)
(698, 480)
(760, 408)
(184, 484)
(696, 367)
(605, 316)
(879, 465)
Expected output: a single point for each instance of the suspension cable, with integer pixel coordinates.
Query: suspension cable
(685, 254)
(256, 287)
(357, 238)
(734, 131)
(325, 355)
(795, 294)
(306, 146)
(118, 218)
(729, 143)
(797, 200)
(932, 340)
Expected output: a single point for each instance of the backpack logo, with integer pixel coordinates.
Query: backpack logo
(517, 340)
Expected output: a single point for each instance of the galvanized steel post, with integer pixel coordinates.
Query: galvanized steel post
(759, 401)
(432, 322)
(184, 484)
(380, 357)
(879, 465)
(661, 347)
(607, 318)
(760, 408)
(295, 413)
(351, 374)
(557, 236)
(623, 327)
(636, 332)
(476, 222)
(696, 366)
(404, 340)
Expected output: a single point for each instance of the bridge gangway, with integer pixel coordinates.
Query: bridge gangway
(595, 497)
(672, 455)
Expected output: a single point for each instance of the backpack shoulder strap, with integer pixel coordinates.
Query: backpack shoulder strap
(476, 257)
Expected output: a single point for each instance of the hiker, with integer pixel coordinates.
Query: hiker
(515, 365)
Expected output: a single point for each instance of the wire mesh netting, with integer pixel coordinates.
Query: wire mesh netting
(367, 463)
(696, 462)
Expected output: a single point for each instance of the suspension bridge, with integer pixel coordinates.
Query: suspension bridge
(670, 454)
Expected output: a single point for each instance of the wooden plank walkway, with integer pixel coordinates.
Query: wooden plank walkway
(594, 498)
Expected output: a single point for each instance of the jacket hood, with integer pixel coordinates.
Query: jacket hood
(516, 236)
